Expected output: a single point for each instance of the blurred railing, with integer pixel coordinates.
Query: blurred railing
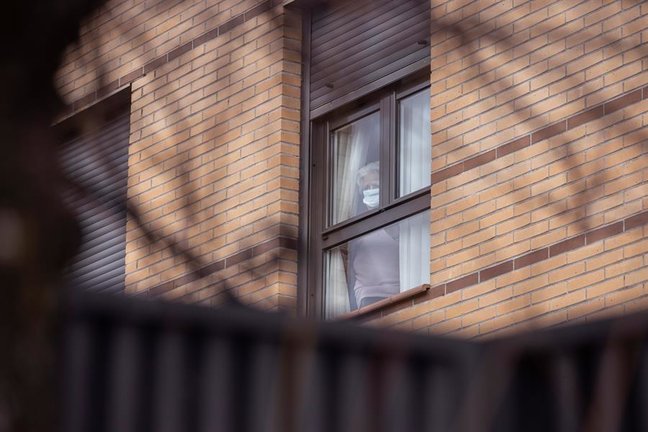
(134, 365)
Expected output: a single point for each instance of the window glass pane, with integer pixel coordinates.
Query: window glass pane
(378, 265)
(356, 154)
(415, 151)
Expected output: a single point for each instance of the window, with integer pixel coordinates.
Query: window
(94, 158)
(370, 199)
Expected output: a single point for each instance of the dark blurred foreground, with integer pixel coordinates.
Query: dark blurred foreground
(136, 365)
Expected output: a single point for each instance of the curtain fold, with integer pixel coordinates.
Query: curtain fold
(415, 151)
(337, 293)
(351, 148)
(350, 151)
(414, 251)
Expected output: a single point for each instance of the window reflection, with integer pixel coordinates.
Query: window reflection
(355, 153)
(378, 265)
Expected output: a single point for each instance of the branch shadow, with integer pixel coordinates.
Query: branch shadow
(463, 31)
(186, 200)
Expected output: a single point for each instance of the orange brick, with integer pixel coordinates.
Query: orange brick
(462, 308)
(623, 296)
(513, 304)
(549, 292)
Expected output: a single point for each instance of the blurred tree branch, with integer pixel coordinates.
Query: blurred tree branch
(37, 234)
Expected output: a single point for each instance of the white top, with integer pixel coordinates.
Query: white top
(375, 264)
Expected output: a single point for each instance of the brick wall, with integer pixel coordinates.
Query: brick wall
(538, 198)
(126, 35)
(214, 146)
(539, 166)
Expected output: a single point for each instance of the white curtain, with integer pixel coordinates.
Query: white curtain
(414, 251)
(337, 293)
(415, 150)
(351, 148)
(350, 153)
(415, 153)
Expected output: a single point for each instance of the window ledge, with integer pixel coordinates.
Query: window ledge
(382, 304)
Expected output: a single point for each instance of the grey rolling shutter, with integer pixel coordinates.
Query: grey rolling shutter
(360, 46)
(98, 162)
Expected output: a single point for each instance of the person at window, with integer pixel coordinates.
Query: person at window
(373, 256)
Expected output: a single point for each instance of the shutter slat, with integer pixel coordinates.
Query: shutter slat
(359, 76)
(354, 22)
(371, 56)
(389, 69)
(360, 46)
(376, 21)
(98, 161)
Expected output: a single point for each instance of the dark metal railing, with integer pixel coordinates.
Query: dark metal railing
(134, 365)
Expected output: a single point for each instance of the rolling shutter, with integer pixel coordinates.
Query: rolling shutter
(98, 161)
(360, 46)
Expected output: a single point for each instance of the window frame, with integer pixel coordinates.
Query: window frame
(91, 123)
(323, 235)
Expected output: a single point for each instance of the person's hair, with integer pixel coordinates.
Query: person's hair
(370, 167)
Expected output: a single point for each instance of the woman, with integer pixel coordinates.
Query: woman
(373, 256)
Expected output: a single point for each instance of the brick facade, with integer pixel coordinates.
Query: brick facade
(214, 145)
(539, 200)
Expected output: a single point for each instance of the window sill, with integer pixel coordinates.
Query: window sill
(383, 304)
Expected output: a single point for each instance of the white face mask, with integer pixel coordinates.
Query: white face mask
(371, 197)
